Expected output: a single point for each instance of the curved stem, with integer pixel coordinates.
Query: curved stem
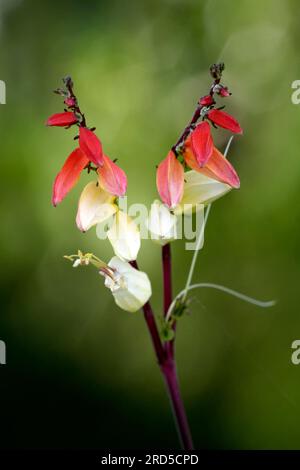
(201, 234)
(196, 252)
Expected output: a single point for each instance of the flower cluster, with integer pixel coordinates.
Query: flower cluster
(194, 174)
(210, 175)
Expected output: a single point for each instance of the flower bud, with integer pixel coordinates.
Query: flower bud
(91, 146)
(206, 100)
(130, 287)
(224, 92)
(62, 119)
(112, 178)
(68, 175)
(169, 180)
(222, 119)
(202, 143)
(217, 167)
(70, 102)
(124, 236)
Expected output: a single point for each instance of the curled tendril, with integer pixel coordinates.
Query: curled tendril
(227, 290)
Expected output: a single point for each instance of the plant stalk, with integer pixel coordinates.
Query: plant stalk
(167, 364)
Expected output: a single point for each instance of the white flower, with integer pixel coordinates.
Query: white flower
(130, 287)
(200, 189)
(124, 236)
(95, 206)
(161, 223)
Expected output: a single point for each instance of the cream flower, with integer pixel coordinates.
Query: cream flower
(95, 206)
(124, 236)
(161, 223)
(130, 287)
(198, 190)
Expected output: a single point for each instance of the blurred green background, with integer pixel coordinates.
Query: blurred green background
(80, 372)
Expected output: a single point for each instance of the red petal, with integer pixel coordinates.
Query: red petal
(62, 119)
(112, 178)
(222, 119)
(217, 166)
(170, 180)
(202, 143)
(91, 146)
(68, 175)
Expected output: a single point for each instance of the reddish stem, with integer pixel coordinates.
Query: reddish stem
(167, 283)
(168, 369)
(170, 375)
(167, 276)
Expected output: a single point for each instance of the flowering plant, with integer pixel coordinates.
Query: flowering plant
(192, 176)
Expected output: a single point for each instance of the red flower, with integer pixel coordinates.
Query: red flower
(170, 180)
(224, 92)
(222, 119)
(91, 146)
(70, 102)
(68, 175)
(206, 100)
(217, 167)
(62, 119)
(112, 178)
(202, 143)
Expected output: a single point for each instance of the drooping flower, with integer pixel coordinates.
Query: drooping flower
(217, 166)
(161, 223)
(169, 180)
(225, 120)
(62, 119)
(202, 142)
(200, 189)
(91, 146)
(124, 236)
(130, 287)
(112, 178)
(95, 206)
(68, 175)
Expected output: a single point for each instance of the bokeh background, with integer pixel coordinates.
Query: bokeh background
(80, 372)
